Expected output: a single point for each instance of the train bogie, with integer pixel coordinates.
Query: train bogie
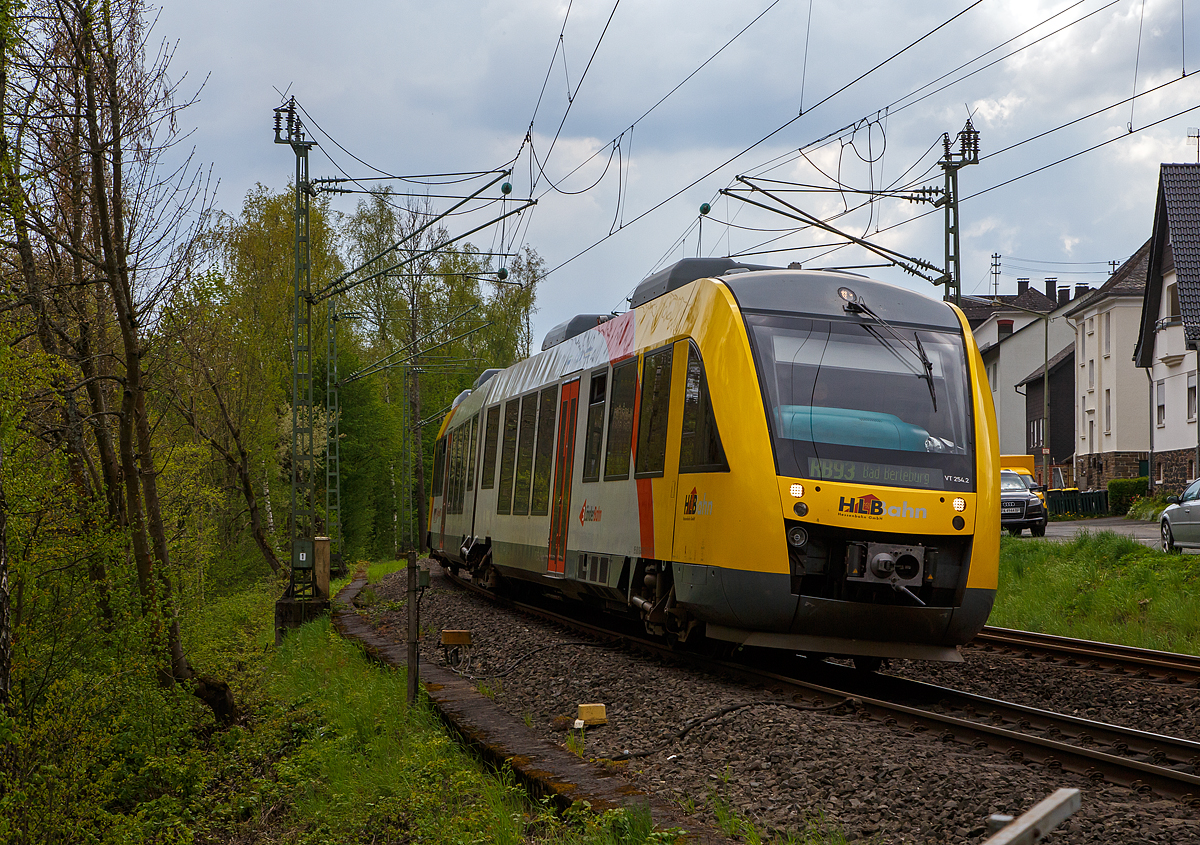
(776, 458)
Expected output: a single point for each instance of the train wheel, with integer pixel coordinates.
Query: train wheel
(868, 664)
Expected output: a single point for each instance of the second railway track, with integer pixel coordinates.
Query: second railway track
(1163, 666)
(1139, 760)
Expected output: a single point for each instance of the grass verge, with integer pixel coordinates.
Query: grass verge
(329, 752)
(1100, 586)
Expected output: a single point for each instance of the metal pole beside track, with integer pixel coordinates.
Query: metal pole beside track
(413, 622)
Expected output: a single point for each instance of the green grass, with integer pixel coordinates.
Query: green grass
(331, 753)
(1100, 586)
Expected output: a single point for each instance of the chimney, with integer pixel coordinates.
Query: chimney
(1081, 289)
(1003, 328)
(1052, 288)
(1022, 286)
(1064, 295)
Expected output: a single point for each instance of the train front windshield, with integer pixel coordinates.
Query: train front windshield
(856, 401)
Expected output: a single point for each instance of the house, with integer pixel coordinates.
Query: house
(1013, 341)
(1112, 432)
(1169, 331)
(1060, 438)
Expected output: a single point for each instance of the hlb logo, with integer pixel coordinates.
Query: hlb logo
(692, 504)
(868, 504)
(871, 505)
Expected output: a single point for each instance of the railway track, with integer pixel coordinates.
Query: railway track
(1139, 760)
(1161, 666)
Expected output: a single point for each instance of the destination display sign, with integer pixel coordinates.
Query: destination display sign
(866, 473)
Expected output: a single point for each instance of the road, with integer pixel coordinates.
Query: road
(1143, 532)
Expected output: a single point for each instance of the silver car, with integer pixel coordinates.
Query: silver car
(1180, 522)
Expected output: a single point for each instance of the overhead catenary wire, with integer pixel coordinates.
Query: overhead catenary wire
(772, 133)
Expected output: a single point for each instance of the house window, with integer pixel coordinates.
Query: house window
(992, 376)
(1161, 392)
(1191, 396)
(1091, 374)
(1107, 331)
(1091, 436)
(1082, 415)
(1107, 411)
(1159, 470)
(1091, 325)
(1191, 469)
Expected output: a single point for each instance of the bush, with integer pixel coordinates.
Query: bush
(1122, 492)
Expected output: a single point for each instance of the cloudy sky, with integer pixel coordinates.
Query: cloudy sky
(809, 92)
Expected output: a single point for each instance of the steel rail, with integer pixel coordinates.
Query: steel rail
(1010, 737)
(1167, 667)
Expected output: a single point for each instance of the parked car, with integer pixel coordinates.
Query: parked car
(1179, 524)
(1021, 507)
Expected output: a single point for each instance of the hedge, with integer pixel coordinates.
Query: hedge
(1122, 491)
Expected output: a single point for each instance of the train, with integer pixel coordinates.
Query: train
(749, 456)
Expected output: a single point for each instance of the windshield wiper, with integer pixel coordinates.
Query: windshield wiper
(857, 305)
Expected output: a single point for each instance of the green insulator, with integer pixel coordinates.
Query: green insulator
(506, 188)
(705, 208)
(502, 273)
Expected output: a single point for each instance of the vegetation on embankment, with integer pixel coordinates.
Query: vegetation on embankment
(325, 750)
(1100, 586)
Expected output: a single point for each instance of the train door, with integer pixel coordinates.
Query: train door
(560, 510)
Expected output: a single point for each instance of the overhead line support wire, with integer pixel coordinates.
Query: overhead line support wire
(412, 234)
(380, 366)
(904, 262)
(333, 288)
(422, 338)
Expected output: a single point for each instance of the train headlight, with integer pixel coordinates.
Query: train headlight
(848, 296)
(800, 508)
(797, 491)
(960, 504)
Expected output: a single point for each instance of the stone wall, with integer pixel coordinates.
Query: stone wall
(1175, 466)
(1093, 472)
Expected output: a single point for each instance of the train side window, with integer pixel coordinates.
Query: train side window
(525, 455)
(472, 448)
(652, 416)
(595, 426)
(439, 466)
(620, 420)
(508, 455)
(489, 449)
(544, 460)
(700, 446)
(451, 462)
(460, 466)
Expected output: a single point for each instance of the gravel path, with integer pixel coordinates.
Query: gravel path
(782, 767)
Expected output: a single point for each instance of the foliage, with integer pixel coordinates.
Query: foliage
(1147, 507)
(1122, 492)
(1100, 586)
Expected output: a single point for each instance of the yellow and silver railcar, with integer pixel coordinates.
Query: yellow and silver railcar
(804, 460)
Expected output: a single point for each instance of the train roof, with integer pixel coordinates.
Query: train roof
(818, 292)
(578, 324)
(685, 271)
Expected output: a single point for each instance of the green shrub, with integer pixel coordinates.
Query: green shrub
(1122, 492)
(1147, 507)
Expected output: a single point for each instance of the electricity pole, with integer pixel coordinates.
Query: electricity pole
(303, 519)
(953, 161)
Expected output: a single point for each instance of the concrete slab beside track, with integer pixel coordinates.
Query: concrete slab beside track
(542, 767)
